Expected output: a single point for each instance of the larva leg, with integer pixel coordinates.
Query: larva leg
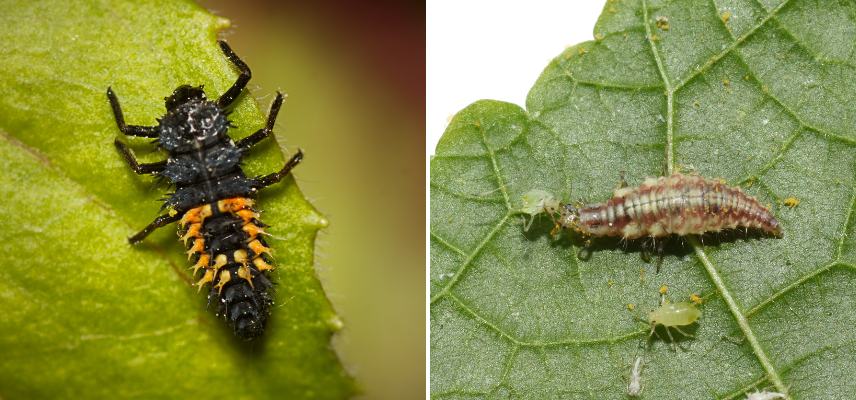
(227, 98)
(660, 246)
(646, 256)
(140, 169)
(585, 252)
(130, 130)
(275, 177)
(161, 221)
(249, 141)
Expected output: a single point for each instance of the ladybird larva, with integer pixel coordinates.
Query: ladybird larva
(677, 204)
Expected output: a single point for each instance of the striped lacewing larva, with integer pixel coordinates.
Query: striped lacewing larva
(677, 204)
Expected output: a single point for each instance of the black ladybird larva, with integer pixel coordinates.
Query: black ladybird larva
(213, 198)
(678, 204)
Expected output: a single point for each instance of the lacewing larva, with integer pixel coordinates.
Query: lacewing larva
(672, 205)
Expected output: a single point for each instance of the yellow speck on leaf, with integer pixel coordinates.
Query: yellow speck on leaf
(725, 16)
(662, 23)
(631, 306)
(695, 298)
(664, 289)
(791, 202)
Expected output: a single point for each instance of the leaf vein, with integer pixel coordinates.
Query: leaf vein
(446, 289)
(742, 322)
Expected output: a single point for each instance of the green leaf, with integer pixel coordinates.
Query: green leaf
(85, 315)
(757, 93)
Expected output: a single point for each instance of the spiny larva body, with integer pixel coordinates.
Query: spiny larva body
(213, 198)
(677, 204)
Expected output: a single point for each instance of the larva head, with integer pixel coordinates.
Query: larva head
(569, 216)
(184, 94)
(192, 122)
(674, 314)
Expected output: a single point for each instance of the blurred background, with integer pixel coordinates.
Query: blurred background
(355, 77)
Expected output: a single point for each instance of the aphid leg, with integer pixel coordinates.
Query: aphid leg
(227, 98)
(260, 134)
(528, 224)
(161, 221)
(130, 130)
(682, 332)
(275, 177)
(672, 339)
(140, 169)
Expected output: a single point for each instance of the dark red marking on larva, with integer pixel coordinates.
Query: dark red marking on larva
(677, 204)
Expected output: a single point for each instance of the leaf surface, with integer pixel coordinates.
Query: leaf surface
(85, 315)
(756, 93)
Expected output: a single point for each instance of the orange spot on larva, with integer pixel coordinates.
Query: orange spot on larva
(234, 204)
(240, 256)
(219, 261)
(196, 215)
(244, 273)
(192, 232)
(258, 248)
(225, 277)
(261, 264)
(208, 277)
(202, 262)
(198, 246)
(247, 215)
(252, 230)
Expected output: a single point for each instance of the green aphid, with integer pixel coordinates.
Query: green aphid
(537, 201)
(674, 316)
